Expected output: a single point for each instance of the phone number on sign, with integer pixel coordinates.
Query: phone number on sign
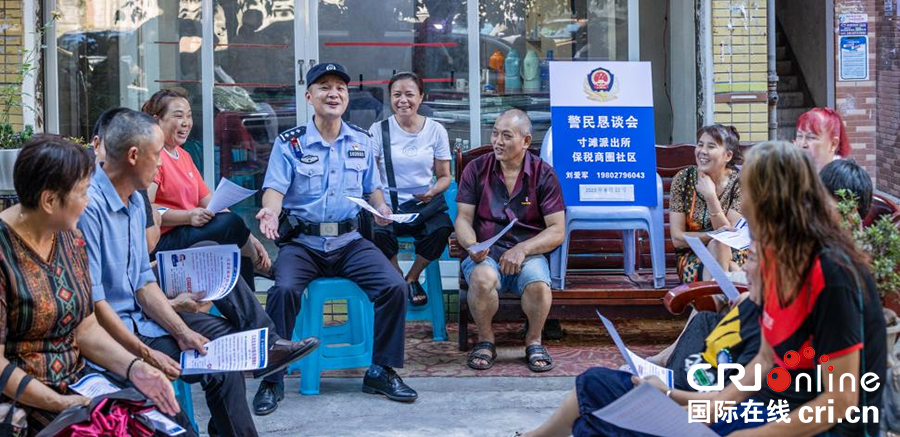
(620, 174)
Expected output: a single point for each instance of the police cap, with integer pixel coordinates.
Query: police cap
(319, 70)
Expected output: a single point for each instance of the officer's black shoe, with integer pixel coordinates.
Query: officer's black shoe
(267, 397)
(285, 352)
(417, 295)
(385, 381)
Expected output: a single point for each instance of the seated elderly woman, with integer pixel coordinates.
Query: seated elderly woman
(47, 325)
(179, 187)
(821, 133)
(707, 197)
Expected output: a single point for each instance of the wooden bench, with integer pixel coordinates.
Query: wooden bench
(595, 277)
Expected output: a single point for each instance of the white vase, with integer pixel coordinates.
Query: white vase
(7, 161)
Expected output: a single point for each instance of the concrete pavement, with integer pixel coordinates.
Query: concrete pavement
(489, 406)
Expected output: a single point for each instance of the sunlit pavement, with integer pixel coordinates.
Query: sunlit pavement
(490, 406)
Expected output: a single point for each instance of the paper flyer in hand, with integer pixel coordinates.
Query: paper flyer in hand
(710, 263)
(213, 270)
(227, 194)
(738, 239)
(247, 350)
(481, 247)
(638, 365)
(96, 384)
(647, 410)
(399, 218)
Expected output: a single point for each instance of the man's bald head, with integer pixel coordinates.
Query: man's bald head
(511, 136)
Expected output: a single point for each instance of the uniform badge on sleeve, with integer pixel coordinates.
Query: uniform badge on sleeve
(355, 152)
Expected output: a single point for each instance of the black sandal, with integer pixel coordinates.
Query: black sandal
(417, 295)
(535, 353)
(474, 355)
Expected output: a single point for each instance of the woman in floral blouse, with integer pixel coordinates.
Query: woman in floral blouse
(707, 197)
(47, 326)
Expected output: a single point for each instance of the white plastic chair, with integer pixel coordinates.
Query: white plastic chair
(624, 218)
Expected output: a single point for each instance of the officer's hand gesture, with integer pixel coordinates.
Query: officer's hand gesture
(200, 216)
(268, 223)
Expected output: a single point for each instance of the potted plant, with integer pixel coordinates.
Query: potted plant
(881, 241)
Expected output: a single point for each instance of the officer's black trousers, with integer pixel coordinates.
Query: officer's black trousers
(361, 262)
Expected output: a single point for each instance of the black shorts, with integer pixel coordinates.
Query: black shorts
(430, 238)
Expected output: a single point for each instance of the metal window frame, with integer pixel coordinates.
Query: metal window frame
(51, 74)
(29, 84)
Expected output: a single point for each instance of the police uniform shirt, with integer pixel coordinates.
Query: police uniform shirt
(316, 178)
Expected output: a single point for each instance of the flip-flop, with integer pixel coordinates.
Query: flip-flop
(474, 355)
(535, 353)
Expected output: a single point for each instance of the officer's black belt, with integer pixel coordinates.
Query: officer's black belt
(331, 229)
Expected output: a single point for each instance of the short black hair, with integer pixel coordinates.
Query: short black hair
(103, 121)
(52, 163)
(846, 174)
(126, 130)
(407, 75)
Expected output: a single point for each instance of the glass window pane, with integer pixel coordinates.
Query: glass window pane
(373, 40)
(118, 53)
(517, 38)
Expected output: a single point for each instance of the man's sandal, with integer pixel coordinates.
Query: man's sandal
(535, 353)
(475, 355)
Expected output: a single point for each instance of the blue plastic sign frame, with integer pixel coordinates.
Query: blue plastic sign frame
(604, 145)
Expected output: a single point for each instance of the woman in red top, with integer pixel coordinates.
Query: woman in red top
(820, 307)
(179, 187)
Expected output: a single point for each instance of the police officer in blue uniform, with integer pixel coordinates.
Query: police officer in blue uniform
(312, 170)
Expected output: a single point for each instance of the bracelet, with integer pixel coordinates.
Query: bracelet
(130, 365)
(669, 393)
(716, 214)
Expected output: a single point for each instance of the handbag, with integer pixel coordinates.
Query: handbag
(114, 414)
(426, 210)
(15, 422)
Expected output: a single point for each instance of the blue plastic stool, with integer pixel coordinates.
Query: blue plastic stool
(624, 218)
(434, 309)
(183, 395)
(345, 346)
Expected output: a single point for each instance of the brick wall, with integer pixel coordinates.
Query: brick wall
(887, 149)
(739, 64)
(11, 31)
(856, 101)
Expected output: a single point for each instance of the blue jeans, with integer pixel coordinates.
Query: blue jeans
(534, 269)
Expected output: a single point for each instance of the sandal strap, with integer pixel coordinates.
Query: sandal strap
(485, 345)
(537, 352)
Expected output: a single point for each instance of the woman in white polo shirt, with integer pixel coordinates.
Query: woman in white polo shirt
(415, 172)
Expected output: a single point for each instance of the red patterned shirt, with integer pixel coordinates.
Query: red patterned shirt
(535, 195)
(41, 305)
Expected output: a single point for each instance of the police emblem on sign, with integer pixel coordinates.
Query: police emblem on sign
(600, 85)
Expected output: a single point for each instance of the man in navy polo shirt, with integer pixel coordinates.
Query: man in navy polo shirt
(494, 189)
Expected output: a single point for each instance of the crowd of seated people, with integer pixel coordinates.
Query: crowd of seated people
(79, 246)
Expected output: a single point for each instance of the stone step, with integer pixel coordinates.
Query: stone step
(781, 53)
(788, 83)
(789, 116)
(791, 99)
(786, 133)
(785, 68)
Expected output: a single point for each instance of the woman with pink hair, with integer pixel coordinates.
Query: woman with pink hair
(821, 132)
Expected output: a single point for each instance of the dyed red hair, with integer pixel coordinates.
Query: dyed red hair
(826, 121)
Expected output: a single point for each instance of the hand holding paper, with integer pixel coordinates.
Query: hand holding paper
(247, 350)
(739, 238)
(399, 218)
(484, 245)
(227, 194)
(710, 263)
(638, 365)
(213, 270)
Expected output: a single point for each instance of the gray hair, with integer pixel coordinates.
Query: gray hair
(520, 120)
(128, 129)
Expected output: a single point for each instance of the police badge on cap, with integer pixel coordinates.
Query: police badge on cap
(320, 70)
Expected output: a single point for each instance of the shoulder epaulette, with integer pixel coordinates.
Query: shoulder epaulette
(292, 133)
(359, 129)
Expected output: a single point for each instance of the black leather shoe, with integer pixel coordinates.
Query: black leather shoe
(285, 352)
(267, 397)
(385, 381)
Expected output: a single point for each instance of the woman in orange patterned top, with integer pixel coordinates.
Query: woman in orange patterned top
(707, 197)
(47, 326)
